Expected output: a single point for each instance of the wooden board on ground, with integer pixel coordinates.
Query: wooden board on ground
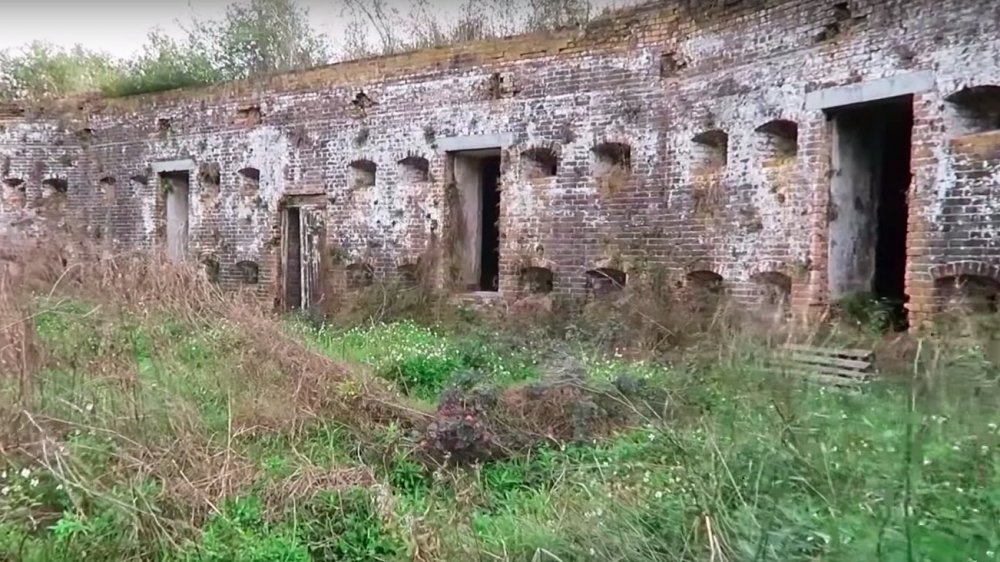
(844, 368)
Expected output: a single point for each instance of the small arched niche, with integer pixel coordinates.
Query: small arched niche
(539, 162)
(705, 289)
(414, 169)
(537, 280)
(710, 150)
(248, 272)
(107, 186)
(706, 279)
(773, 292)
(967, 294)
(14, 183)
(778, 141)
(359, 275)
(605, 281)
(975, 109)
(210, 264)
(409, 274)
(249, 180)
(51, 186)
(612, 163)
(363, 173)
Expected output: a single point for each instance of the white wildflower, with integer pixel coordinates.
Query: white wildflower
(25, 473)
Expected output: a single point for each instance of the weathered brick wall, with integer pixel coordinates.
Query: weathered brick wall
(729, 172)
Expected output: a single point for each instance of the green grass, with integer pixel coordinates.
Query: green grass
(743, 467)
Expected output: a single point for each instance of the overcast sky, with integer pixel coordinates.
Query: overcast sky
(119, 27)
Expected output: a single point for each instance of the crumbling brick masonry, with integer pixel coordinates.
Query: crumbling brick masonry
(786, 151)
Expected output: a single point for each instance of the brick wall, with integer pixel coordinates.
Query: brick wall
(661, 80)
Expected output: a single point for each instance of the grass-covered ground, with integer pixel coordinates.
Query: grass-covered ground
(171, 436)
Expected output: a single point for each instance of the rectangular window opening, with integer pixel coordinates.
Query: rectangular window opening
(868, 209)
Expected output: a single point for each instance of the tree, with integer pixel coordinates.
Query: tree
(42, 70)
(426, 26)
(261, 37)
(164, 64)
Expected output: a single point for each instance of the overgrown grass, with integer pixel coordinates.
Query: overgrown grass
(159, 438)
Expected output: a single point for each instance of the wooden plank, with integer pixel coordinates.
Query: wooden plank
(832, 361)
(860, 354)
(826, 379)
(835, 383)
(826, 369)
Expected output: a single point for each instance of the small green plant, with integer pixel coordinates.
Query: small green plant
(345, 527)
(240, 534)
(868, 312)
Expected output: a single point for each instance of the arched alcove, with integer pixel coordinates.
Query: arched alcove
(249, 180)
(604, 281)
(710, 150)
(55, 185)
(612, 164)
(414, 169)
(777, 140)
(408, 274)
(359, 275)
(248, 271)
(210, 265)
(363, 173)
(773, 292)
(537, 280)
(974, 109)
(107, 186)
(967, 294)
(539, 162)
(707, 279)
(705, 290)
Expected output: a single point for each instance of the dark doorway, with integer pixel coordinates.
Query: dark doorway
(293, 259)
(476, 212)
(890, 248)
(869, 206)
(489, 268)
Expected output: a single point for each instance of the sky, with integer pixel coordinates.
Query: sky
(119, 27)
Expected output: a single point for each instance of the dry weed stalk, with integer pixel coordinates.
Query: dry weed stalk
(278, 384)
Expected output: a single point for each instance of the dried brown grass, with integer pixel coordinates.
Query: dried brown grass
(274, 383)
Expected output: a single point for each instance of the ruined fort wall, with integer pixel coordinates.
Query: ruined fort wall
(703, 99)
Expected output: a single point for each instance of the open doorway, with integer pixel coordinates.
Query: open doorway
(175, 186)
(302, 238)
(477, 179)
(869, 202)
(292, 266)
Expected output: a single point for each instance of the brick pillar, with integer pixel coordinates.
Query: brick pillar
(809, 287)
(928, 127)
